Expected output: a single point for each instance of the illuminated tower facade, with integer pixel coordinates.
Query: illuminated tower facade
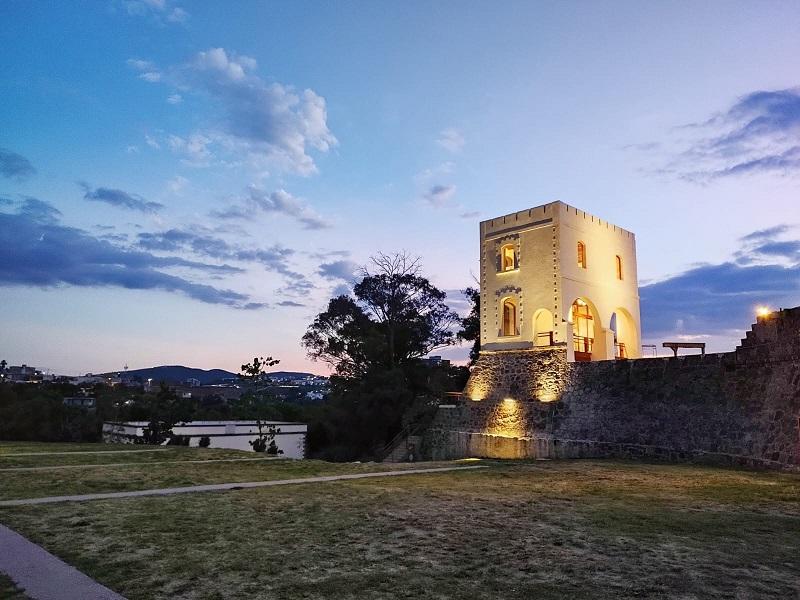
(555, 276)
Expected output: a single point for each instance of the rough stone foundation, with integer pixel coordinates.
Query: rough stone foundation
(737, 408)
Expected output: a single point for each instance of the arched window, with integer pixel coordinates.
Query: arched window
(618, 262)
(509, 317)
(508, 258)
(582, 330)
(581, 255)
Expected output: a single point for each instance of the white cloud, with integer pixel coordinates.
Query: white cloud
(438, 195)
(152, 142)
(178, 15)
(159, 11)
(177, 184)
(279, 201)
(174, 99)
(272, 124)
(451, 139)
(195, 148)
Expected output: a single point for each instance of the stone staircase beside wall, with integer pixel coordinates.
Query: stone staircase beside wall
(773, 336)
(403, 447)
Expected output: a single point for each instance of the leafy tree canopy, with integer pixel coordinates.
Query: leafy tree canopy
(394, 316)
(471, 324)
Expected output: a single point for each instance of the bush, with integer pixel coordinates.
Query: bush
(204, 442)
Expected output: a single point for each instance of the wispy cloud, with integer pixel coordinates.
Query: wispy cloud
(716, 299)
(451, 139)
(344, 270)
(15, 166)
(439, 195)
(759, 133)
(204, 243)
(120, 199)
(36, 250)
(259, 201)
(161, 12)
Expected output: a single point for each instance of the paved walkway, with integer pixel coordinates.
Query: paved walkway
(84, 452)
(225, 486)
(135, 464)
(42, 576)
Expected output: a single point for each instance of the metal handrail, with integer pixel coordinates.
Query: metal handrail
(586, 342)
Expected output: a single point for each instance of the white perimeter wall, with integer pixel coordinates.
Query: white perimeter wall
(234, 435)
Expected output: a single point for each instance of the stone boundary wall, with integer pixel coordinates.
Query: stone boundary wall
(737, 408)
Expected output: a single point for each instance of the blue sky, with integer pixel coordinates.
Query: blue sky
(190, 182)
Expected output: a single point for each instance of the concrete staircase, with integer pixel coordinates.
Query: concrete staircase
(403, 448)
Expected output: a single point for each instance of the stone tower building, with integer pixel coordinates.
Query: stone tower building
(557, 276)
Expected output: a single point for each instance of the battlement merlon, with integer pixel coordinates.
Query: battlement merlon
(534, 216)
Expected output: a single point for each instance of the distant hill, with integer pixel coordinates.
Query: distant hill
(179, 374)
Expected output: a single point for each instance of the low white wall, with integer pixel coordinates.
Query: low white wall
(234, 435)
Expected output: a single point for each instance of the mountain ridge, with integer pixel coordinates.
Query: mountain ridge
(179, 374)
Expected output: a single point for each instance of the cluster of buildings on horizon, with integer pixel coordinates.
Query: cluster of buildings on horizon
(285, 386)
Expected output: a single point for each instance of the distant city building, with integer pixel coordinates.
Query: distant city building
(435, 361)
(22, 374)
(80, 402)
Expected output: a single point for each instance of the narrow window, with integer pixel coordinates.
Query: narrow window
(509, 317)
(508, 258)
(619, 267)
(581, 255)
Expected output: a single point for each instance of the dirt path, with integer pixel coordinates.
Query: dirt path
(225, 486)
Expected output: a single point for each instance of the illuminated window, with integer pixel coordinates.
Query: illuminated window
(619, 267)
(581, 255)
(582, 330)
(508, 258)
(509, 317)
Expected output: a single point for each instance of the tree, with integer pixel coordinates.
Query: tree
(255, 371)
(165, 410)
(374, 340)
(471, 324)
(395, 316)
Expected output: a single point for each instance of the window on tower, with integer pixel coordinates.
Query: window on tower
(581, 255)
(508, 258)
(618, 262)
(509, 317)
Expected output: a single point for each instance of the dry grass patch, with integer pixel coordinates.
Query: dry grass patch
(160, 470)
(581, 529)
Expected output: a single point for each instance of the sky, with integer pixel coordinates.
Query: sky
(190, 182)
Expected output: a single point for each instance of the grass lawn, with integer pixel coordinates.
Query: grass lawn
(146, 470)
(576, 529)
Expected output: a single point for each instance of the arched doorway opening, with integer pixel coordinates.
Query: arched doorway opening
(543, 334)
(625, 338)
(583, 330)
(509, 307)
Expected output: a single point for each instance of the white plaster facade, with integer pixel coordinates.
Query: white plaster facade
(234, 435)
(532, 275)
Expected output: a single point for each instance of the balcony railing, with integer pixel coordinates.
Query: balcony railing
(619, 351)
(582, 344)
(545, 338)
